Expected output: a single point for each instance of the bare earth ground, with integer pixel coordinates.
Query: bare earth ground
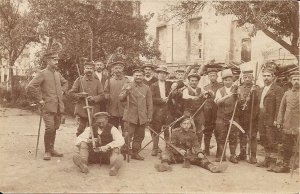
(20, 172)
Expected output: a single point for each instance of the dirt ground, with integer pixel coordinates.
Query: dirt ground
(20, 172)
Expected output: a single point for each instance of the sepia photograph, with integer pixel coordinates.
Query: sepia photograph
(149, 96)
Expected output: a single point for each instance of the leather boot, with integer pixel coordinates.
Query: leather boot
(281, 168)
(47, 155)
(272, 164)
(252, 159)
(155, 145)
(218, 158)
(164, 166)
(207, 145)
(53, 152)
(186, 163)
(242, 155)
(136, 156)
(265, 163)
(233, 157)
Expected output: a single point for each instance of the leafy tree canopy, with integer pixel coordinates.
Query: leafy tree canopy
(108, 24)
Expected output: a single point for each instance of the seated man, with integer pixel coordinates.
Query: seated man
(108, 142)
(184, 147)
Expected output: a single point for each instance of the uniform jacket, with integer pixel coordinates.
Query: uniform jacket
(93, 87)
(48, 85)
(186, 140)
(139, 105)
(213, 87)
(271, 103)
(160, 108)
(289, 112)
(114, 106)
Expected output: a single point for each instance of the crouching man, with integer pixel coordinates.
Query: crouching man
(185, 148)
(108, 143)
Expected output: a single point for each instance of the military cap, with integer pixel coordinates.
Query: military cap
(212, 71)
(118, 63)
(101, 114)
(90, 63)
(180, 69)
(148, 65)
(268, 69)
(138, 70)
(247, 72)
(162, 69)
(227, 73)
(196, 75)
(50, 54)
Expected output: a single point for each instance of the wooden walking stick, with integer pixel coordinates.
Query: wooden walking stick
(39, 131)
(295, 156)
(230, 126)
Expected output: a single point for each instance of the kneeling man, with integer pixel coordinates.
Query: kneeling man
(184, 147)
(108, 143)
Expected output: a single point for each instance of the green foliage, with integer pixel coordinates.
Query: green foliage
(277, 19)
(107, 24)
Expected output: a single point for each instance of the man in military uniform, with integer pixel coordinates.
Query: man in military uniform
(112, 90)
(184, 147)
(246, 93)
(47, 88)
(193, 98)
(210, 108)
(226, 98)
(160, 91)
(269, 101)
(288, 120)
(149, 77)
(89, 87)
(138, 111)
(108, 141)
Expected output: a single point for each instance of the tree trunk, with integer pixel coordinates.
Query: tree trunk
(12, 84)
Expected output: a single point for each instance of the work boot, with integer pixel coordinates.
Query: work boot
(136, 156)
(164, 166)
(159, 150)
(80, 163)
(47, 156)
(154, 152)
(242, 155)
(186, 164)
(233, 159)
(272, 164)
(217, 168)
(252, 160)
(54, 153)
(265, 163)
(281, 168)
(206, 145)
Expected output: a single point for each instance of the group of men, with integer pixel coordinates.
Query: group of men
(113, 112)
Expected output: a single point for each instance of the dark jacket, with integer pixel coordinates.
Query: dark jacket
(160, 108)
(139, 105)
(48, 85)
(271, 103)
(93, 87)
